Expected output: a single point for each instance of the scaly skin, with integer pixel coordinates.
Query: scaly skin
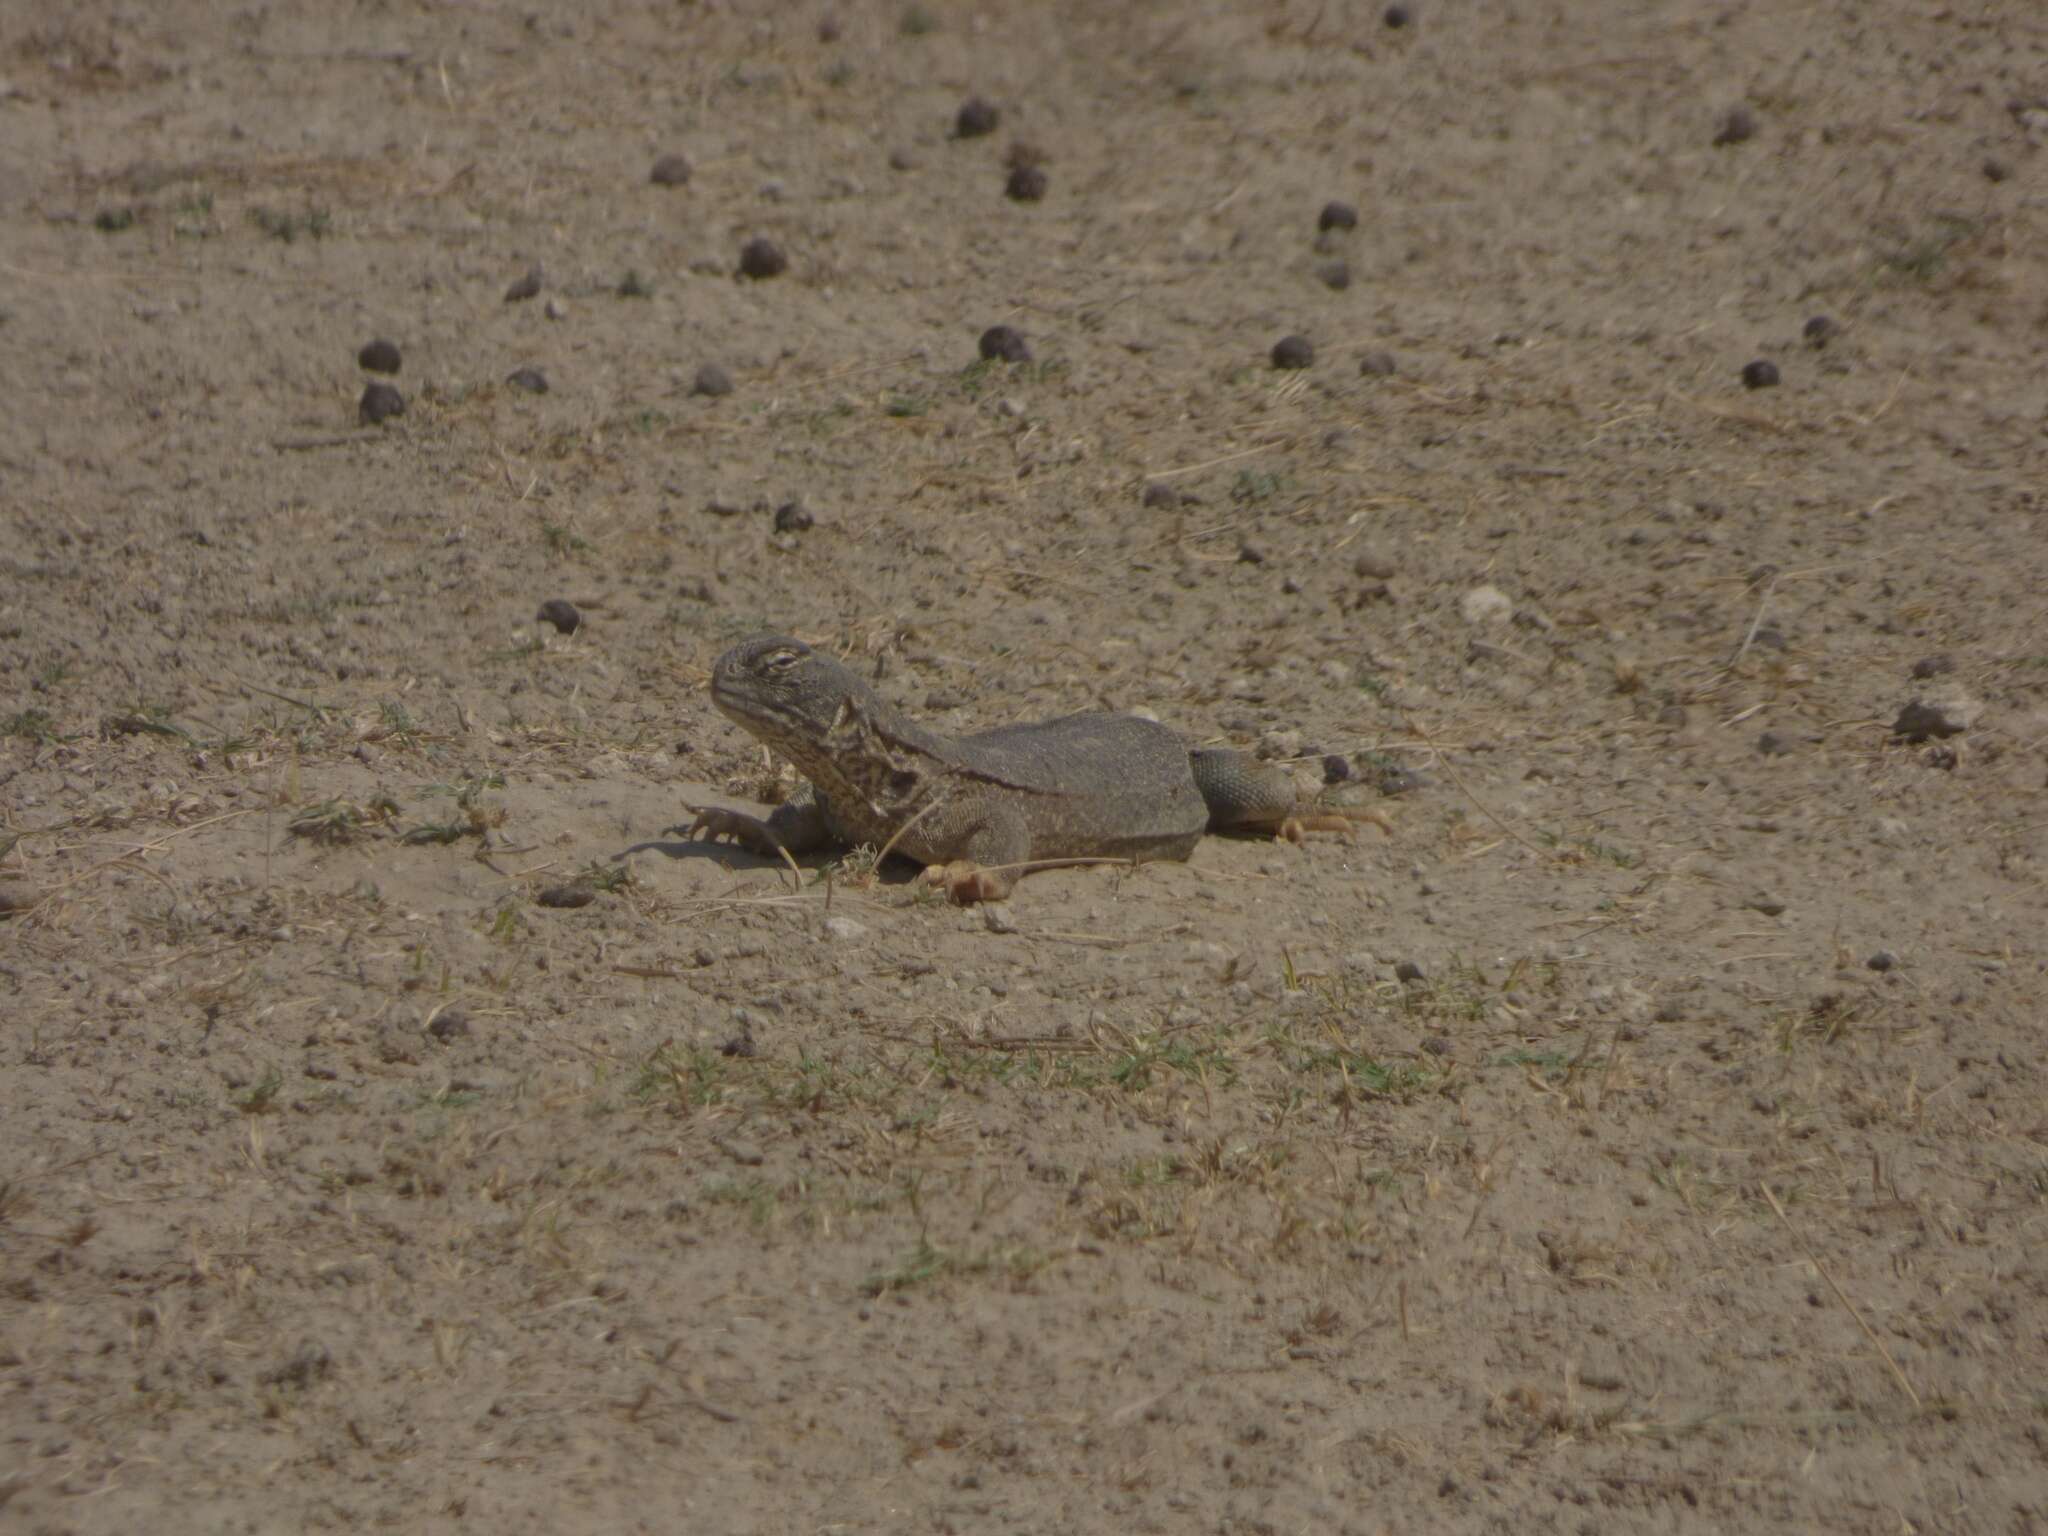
(979, 810)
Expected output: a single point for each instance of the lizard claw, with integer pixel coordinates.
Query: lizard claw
(966, 882)
(714, 821)
(1340, 820)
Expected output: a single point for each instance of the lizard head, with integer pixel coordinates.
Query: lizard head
(784, 692)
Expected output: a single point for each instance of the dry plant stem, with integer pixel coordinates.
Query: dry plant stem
(1813, 1258)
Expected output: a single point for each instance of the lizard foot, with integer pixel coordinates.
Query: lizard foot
(1340, 820)
(715, 821)
(966, 882)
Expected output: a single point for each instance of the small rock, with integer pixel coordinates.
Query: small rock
(1775, 744)
(1766, 903)
(793, 517)
(1337, 216)
(1674, 716)
(379, 402)
(1159, 494)
(760, 258)
(1004, 344)
(1408, 970)
(1293, 352)
(379, 356)
(997, 917)
(1336, 768)
(1438, 1045)
(1918, 721)
(526, 286)
(1250, 554)
(1373, 566)
(1334, 275)
(1378, 365)
(555, 309)
(532, 380)
(711, 380)
(1027, 184)
(1737, 126)
(1397, 15)
(718, 506)
(975, 118)
(670, 171)
(745, 1153)
(1996, 169)
(1760, 374)
(1933, 666)
(1819, 331)
(16, 898)
(561, 613)
(740, 1045)
(1883, 960)
(566, 896)
(902, 160)
(843, 929)
(1486, 605)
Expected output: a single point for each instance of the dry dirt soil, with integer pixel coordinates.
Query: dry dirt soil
(1650, 1133)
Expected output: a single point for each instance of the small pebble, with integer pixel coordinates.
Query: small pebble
(1775, 744)
(1883, 960)
(1373, 567)
(1159, 494)
(1819, 331)
(1933, 666)
(1379, 365)
(762, 258)
(997, 917)
(1766, 903)
(1003, 343)
(1408, 970)
(793, 517)
(555, 309)
(670, 171)
(561, 613)
(1397, 15)
(1250, 554)
(844, 929)
(378, 402)
(1027, 184)
(1293, 352)
(532, 380)
(1996, 170)
(1336, 768)
(1737, 126)
(1760, 374)
(902, 160)
(567, 896)
(379, 356)
(712, 380)
(828, 32)
(527, 285)
(975, 118)
(1918, 721)
(1337, 216)
(1673, 716)
(1334, 275)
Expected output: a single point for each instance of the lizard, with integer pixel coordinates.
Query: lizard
(978, 810)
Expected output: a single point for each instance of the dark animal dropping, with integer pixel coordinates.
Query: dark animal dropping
(1005, 344)
(1293, 352)
(379, 401)
(762, 258)
(379, 356)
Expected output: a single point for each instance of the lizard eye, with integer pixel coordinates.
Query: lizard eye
(781, 660)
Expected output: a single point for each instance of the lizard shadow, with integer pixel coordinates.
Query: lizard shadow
(895, 870)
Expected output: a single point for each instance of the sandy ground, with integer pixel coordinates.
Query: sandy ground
(1650, 1133)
